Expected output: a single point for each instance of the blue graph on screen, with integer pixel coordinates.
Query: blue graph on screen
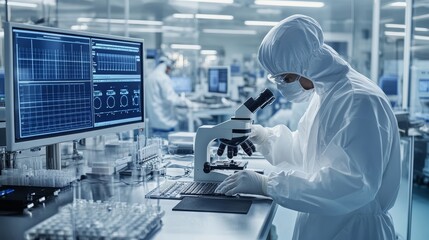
(54, 80)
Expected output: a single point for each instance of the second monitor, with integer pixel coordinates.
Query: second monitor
(218, 81)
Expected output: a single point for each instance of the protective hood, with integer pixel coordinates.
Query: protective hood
(296, 45)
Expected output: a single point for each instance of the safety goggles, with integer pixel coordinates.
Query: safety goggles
(283, 78)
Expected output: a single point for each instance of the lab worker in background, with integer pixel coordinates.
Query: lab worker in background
(341, 168)
(162, 101)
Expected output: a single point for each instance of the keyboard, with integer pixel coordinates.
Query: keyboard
(179, 189)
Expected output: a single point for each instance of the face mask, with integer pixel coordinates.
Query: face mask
(294, 92)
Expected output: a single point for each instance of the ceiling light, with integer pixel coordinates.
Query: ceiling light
(19, 4)
(204, 16)
(268, 11)
(143, 22)
(185, 46)
(291, 3)
(119, 21)
(418, 37)
(402, 26)
(396, 4)
(394, 34)
(145, 30)
(210, 1)
(392, 25)
(177, 29)
(79, 27)
(420, 17)
(208, 52)
(230, 31)
(183, 15)
(421, 29)
(214, 16)
(260, 23)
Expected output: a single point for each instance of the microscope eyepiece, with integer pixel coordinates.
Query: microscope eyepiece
(265, 97)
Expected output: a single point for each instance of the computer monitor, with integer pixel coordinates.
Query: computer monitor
(389, 85)
(182, 84)
(424, 94)
(218, 80)
(65, 85)
(235, 70)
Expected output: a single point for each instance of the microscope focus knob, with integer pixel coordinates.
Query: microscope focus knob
(207, 168)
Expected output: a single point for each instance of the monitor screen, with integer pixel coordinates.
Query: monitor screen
(69, 85)
(424, 88)
(235, 70)
(218, 78)
(182, 84)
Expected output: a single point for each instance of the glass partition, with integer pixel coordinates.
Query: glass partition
(389, 74)
(401, 211)
(418, 48)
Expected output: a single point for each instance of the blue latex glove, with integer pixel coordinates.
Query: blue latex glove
(244, 181)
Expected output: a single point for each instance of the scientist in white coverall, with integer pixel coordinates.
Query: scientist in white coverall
(341, 168)
(162, 100)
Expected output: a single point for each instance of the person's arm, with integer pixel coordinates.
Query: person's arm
(170, 95)
(281, 147)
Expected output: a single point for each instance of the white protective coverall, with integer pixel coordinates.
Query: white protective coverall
(341, 168)
(162, 100)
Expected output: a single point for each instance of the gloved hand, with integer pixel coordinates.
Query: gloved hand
(259, 134)
(244, 181)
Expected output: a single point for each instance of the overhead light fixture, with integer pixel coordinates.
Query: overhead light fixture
(185, 46)
(19, 4)
(420, 17)
(210, 1)
(119, 21)
(230, 31)
(421, 29)
(268, 11)
(214, 16)
(393, 25)
(291, 3)
(260, 23)
(183, 15)
(177, 29)
(418, 37)
(208, 52)
(145, 30)
(396, 5)
(79, 27)
(394, 34)
(204, 16)
(402, 26)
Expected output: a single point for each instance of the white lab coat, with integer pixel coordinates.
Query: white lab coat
(289, 117)
(162, 100)
(341, 168)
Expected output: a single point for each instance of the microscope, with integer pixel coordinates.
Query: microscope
(231, 133)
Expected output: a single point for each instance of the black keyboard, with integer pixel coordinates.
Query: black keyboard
(179, 189)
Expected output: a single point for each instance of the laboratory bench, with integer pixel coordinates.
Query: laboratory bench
(256, 224)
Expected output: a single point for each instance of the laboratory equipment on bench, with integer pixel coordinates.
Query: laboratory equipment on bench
(179, 189)
(208, 173)
(232, 133)
(86, 219)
